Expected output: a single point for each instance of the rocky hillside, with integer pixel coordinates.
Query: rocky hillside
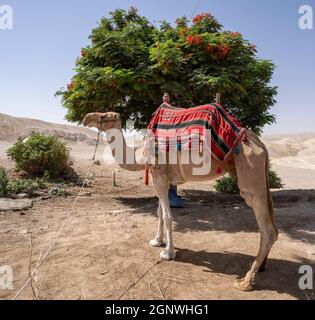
(12, 128)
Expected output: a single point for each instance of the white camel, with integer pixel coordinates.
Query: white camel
(250, 166)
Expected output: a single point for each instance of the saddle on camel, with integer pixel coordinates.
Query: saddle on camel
(207, 129)
(177, 124)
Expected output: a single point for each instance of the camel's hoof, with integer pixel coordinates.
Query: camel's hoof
(165, 255)
(242, 285)
(156, 243)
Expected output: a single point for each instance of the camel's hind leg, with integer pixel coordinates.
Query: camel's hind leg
(252, 168)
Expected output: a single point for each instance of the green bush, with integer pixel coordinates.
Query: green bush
(3, 182)
(275, 181)
(26, 185)
(40, 154)
(229, 185)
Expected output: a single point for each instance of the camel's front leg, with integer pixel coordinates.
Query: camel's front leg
(158, 240)
(161, 185)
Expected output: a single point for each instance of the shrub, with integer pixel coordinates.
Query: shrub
(3, 182)
(40, 154)
(275, 181)
(27, 185)
(229, 185)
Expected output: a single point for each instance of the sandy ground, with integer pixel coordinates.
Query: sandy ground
(104, 254)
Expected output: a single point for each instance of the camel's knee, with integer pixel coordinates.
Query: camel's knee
(248, 197)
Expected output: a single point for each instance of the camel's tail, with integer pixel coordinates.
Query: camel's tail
(269, 197)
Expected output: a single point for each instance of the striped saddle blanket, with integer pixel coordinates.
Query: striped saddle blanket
(208, 127)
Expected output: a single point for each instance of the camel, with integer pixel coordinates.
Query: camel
(250, 165)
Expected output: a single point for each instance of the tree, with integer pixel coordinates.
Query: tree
(130, 63)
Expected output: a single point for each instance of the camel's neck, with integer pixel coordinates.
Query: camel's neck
(124, 155)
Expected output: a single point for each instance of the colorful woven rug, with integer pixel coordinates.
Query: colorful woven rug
(208, 127)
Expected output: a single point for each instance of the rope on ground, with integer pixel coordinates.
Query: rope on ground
(64, 223)
(140, 278)
(157, 284)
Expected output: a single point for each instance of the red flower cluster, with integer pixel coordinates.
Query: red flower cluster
(222, 51)
(70, 85)
(236, 34)
(83, 53)
(200, 17)
(209, 48)
(196, 40)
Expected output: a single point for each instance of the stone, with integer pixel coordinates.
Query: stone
(15, 204)
(22, 196)
(54, 191)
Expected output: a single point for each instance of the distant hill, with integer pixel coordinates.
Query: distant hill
(292, 150)
(11, 128)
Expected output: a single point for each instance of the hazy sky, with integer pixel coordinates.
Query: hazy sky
(38, 55)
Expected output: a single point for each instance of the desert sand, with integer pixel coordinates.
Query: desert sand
(104, 253)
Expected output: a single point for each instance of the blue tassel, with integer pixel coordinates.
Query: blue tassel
(237, 150)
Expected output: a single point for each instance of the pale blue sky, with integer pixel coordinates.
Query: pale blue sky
(38, 55)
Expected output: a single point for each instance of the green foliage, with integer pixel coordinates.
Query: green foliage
(3, 182)
(40, 154)
(229, 185)
(27, 185)
(275, 182)
(130, 63)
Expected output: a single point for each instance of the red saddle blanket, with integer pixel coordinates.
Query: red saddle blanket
(211, 125)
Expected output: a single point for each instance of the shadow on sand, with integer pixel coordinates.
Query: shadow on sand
(206, 211)
(281, 276)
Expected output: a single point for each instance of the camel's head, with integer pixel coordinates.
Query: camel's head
(102, 121)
